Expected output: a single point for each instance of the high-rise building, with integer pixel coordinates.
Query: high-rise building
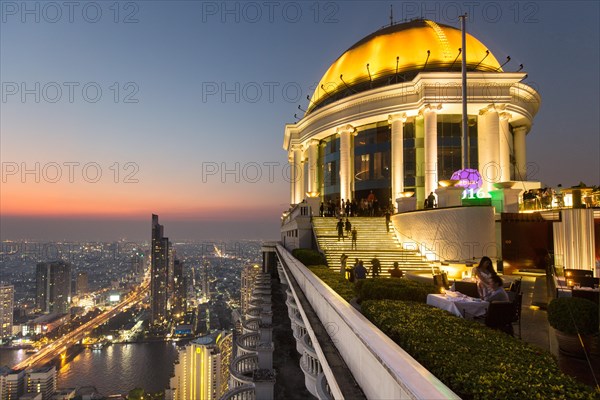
(202, 371)
(249, 274)
(7, 296)
(160, 272)
(81, 283)
(138, 262)
(205, 281)
(42, 381)
(178, 308)
(53, 291)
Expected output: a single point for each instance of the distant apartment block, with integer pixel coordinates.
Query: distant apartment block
(7, 295)
(53, 287)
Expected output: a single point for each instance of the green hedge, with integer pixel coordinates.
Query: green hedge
(474, 361)
(336, 281)
(565, 312)
(394, 289)
(309, 257)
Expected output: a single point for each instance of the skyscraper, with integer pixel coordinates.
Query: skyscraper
(7, 296)
(160, 272)
(81, 284)
(53, 290)
(179, 291)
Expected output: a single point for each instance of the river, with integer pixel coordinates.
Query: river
(114, 369)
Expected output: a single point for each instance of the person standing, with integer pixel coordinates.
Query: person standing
(340, 229)
(350, 271)
(375, 267)
(322, 209)
(348, 227)
(343, 260)
(430, 201)
(360, 272)
(387, 220)
(354, 238)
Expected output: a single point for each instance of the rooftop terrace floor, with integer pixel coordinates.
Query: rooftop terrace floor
(537, 331)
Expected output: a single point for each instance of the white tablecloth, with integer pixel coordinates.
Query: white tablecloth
(458, 304)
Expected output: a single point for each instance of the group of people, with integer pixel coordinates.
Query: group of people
(366, 207)
(489, 283)
(536, 199)
(350, 231)
(358, 271)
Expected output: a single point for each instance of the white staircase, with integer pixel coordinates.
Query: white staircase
(372, 241)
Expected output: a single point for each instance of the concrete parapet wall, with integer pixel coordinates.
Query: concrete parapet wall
(382, 368)
(460, 233)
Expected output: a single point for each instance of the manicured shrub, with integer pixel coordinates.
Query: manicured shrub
(394, 289)
(565, 312)
(309, 257)
(335, 280)
(474, 361)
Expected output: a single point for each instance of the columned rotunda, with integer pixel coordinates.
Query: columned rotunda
(386, 117)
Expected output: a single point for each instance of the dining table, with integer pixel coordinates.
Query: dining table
(458, 304)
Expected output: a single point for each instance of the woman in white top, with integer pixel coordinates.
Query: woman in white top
(483, 274)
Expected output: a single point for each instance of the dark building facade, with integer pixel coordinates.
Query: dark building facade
(160, 272)
(179, 291)
(53, 287)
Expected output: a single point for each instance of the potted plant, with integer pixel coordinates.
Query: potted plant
(572, 315)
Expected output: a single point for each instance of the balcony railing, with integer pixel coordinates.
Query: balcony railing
(248, 342)
(244, 392)
(242, 368)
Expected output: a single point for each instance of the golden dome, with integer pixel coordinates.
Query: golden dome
(397, 53)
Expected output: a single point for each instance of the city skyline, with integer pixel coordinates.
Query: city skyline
(192, 110)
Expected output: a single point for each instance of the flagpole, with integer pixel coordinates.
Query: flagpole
(465, 128)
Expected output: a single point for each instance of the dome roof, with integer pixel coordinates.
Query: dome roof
(397, 53)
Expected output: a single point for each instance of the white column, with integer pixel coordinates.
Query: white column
(520, 153)
(296, 173)
(431, 147)
(346, 154)
(397, 122)
(291, 176)
(505, 146)
(313, 155)
(488, 138)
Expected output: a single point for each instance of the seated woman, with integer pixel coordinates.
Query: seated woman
(498, 293)
(483, 273)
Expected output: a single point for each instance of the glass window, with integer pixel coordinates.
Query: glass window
(361, 167)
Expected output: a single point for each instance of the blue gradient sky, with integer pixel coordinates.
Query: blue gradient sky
(178, 49)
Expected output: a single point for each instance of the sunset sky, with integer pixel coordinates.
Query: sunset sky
(195, 95)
